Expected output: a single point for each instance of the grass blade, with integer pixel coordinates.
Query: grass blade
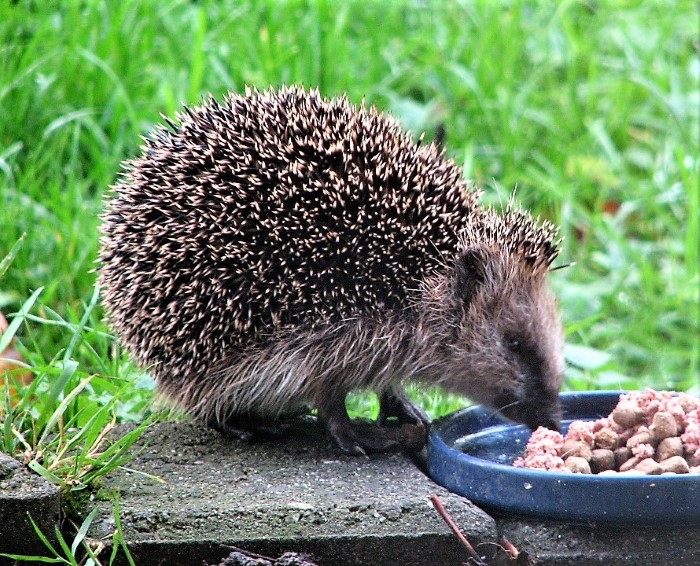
(58, 413)
(17, 320)
(7, 260)
(82, 531)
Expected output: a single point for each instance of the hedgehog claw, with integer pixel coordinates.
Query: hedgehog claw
(395, 403)
(228, 429)
(247, 429)
(359, 437)
(345, 439)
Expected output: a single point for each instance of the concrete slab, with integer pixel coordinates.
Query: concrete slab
(555, 544)
(299, 494)
(294, 494)
(24, 494)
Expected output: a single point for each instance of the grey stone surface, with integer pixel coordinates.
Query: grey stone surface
(555, 544)
(299, 494)
(24, 494)
(293, 494)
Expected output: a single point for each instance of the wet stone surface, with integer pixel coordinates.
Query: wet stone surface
(300, 494)
(294, 494)
(24, 494)
(555, 544)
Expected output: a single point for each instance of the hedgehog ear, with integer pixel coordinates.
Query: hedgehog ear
(469, 274)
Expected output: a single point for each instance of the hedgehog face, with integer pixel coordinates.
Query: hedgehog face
(507, 349)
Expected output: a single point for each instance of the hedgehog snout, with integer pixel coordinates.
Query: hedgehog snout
(538, 400)
(533, 410)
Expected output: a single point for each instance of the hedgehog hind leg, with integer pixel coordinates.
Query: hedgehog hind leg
(394, 402)
(359, 437)
(249, 427)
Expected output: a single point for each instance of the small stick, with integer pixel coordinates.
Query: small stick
(247, 553)
(509, 547)
(440, 508)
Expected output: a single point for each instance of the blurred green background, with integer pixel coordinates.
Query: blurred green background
(590, 108)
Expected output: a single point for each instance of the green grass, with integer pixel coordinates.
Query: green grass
(589, 108)
(83, 551)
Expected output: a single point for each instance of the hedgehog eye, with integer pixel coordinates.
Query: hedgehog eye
(514, 345)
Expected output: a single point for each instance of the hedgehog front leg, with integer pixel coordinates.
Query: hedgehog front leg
(357, 437)
(393, 402)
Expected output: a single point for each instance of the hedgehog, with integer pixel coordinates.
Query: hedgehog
(275, 251)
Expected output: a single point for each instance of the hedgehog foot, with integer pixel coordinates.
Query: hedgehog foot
(395, 403)
(359, 437)
(248, 427)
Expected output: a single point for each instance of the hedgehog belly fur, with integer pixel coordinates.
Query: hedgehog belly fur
(303, 368)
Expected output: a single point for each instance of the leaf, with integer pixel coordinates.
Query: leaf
(616, 380)
(58, 413)
(27, 558)
(119, 534)
(78, 333)
(584, 357)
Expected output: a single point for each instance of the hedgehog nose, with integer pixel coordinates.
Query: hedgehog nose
(543, 410)
(548, 418)
(535, 415)
(552, 418)
(550, 422)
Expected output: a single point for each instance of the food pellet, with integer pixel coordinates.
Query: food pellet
(669, 447)
(649, 466)
(577, 465)
(576, 448)
(675, 464)
(663, 425)
(602, 459)
(606, 438)
(648, 432)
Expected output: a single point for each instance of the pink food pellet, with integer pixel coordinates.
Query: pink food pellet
(581, 431)
(691, 436)
(643, 451)
(642, 420)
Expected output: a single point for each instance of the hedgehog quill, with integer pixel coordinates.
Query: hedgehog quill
(279, 250)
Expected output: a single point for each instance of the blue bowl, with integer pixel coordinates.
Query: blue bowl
(471, 451)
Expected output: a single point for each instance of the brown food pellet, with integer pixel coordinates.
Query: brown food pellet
(669, 447)
(649, 466)
(676, 464)
(627, 416)
(643, 437)
(577, 465)
(606, 438)
(693, 460)
(663, 425)
(630, 464)
(576, 448)
(622, 454)
(602, 460)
